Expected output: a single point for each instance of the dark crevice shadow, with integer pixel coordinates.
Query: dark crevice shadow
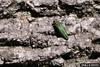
(96, 41)
(5, 42)
(67, 56)
(31, 64)
(17, 65)
(75, 9)
(25, 7)
(79, 9)
(94, 55)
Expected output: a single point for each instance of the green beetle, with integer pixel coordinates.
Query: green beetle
(59, 29)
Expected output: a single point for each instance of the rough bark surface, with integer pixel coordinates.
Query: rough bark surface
(27, 37)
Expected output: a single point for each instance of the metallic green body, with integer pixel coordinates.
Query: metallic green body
(59, 29)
